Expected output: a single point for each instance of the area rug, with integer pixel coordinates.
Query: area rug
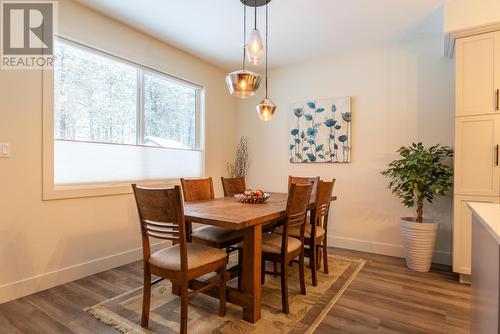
(306, 312)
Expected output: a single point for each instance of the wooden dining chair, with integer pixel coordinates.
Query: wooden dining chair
(233, 185)
(161, 216)
(315, 235)
(281, 248)
(214, 236)
(305, 180)
(325, 192)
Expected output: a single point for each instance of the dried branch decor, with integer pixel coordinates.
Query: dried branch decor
(239, 167)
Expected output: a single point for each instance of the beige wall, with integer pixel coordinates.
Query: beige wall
(464, 14)
(46, 243)
(400, 94)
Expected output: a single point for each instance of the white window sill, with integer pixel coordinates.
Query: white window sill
(96, 190)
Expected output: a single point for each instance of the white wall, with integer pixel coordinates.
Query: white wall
(401, 93)
(44, 243)
(463, 14)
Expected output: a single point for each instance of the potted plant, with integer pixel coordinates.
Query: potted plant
(419, 176)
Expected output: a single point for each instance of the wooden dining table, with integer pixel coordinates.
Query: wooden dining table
(229, 213)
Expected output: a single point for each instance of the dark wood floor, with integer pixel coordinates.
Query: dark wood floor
(384, 298)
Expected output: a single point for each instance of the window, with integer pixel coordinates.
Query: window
(118, 121)
(95, 98)
(169, 113)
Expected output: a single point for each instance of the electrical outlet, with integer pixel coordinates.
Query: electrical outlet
(4, 150)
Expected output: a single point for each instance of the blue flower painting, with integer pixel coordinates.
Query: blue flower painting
(320, 131)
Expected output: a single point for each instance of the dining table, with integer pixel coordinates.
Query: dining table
(229, 213)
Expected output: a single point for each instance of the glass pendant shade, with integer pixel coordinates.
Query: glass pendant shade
(266, 109)
(243, 83)
(255, 48)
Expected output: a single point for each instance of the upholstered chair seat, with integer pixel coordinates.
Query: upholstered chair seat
(271, 243)
(197, 256)
(295, 231)
(216, 234)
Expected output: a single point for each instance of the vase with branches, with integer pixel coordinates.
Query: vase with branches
(239, 167)
(422, 174)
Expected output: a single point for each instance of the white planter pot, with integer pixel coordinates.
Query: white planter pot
(419, 240)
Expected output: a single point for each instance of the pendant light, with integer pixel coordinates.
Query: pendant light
(255, 47)
(266, 107)
(243, 83)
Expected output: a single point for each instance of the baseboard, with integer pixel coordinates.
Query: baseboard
(51, 279)
(382, 248)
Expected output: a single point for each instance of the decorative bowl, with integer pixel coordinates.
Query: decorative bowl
(252, 199)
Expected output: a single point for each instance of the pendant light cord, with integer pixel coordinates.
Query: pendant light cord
(255, 15)
(244, 33)
(267, 35)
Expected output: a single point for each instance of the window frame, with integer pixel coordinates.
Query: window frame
(51, 190)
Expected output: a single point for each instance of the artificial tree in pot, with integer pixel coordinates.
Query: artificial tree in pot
(420, 175)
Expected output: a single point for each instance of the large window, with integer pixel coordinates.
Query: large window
(109, 112)
(103, 100)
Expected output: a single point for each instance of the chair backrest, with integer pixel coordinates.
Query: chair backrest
(233, 185)
(305, 180)
(299, 197)
(161, 216)
(198, 189)
(322, 202)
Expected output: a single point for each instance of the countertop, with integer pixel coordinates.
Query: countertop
(489, 215)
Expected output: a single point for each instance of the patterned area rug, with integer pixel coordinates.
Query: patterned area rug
(306, 312)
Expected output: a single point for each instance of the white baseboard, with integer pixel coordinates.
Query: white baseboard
(51, 279)
(382, 248)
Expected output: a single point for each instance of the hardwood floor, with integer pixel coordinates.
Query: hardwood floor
(384, 298)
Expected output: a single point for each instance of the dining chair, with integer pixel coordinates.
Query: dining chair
(325, 193)
(305, 180)
(214, 236)
(161, 216)
(281, 248)
(233, 185)
(315, 234)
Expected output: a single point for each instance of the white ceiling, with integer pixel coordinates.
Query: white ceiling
(300, 30)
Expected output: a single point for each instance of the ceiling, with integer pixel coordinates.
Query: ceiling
(300, 30)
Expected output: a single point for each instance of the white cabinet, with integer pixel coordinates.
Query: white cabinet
(462, 231)
(478, 74)
(476, 155)
(477, 136)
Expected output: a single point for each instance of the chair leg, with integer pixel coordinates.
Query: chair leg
(318, 255)
(240, 263)
(146, 298)
(263, 272)
(275, 269)
(284, 287)
(312, 262)
(222, 291)
(184, 308)
(302, 273)
(189, 230)
(325, 256)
